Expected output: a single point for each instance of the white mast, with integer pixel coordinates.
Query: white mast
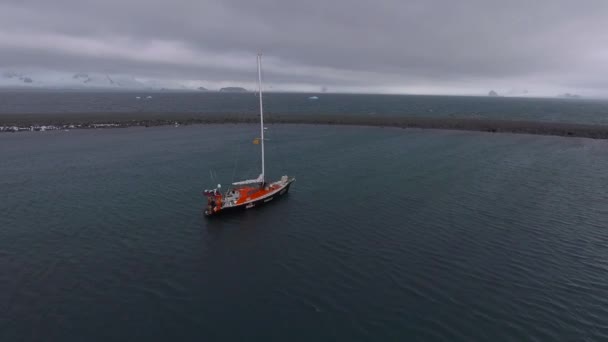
(261, 111)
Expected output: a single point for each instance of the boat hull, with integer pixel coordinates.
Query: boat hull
(253, 204)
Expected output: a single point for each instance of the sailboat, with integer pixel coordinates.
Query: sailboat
(250, 193)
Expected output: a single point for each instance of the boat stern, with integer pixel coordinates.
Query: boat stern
(214, 202)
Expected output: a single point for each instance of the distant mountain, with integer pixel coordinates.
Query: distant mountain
(492, 93)
(570, 96)
(202, 88)
(61, 80)
(82, 77)
(16, 78)
(85, 80)
(105, 81)
(233, 90)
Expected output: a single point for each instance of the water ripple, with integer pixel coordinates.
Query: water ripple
(387, 235)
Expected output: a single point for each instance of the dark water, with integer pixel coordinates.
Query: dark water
(387, 234)
(555, 110)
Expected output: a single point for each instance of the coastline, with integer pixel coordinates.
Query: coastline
(60, 121)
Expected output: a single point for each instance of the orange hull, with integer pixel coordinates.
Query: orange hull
(248, 197)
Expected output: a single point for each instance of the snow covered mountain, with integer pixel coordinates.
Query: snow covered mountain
(83, 80)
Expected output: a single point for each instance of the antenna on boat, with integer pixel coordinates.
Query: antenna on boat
(261, 111)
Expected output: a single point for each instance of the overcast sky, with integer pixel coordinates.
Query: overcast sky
(432, 47)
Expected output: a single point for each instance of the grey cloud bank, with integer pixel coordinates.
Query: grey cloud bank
(541, 48)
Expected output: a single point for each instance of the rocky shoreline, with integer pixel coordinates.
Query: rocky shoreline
(33, 122)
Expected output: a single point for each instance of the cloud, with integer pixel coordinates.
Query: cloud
(382, 46)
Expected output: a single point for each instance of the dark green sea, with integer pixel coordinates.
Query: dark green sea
(387, 234)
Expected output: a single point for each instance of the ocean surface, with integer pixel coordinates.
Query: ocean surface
(506, 108)
(386, 235)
